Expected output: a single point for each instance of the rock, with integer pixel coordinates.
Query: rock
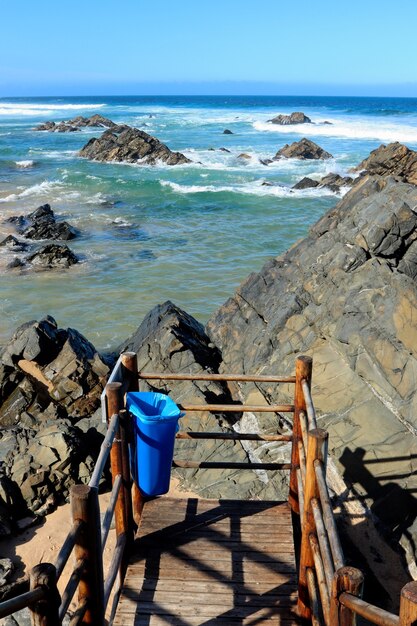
(15, 263)
(170, 340)
(130, 145)
(244, 156)
(76, 123)
(265, 161)
(303, 149)
(294, 118)
(306, 183)
(224, 150)
(346, 295)
(327, 123)
(40, 224)
(53, 256)
(6, 570)
(395, 160)
(227, 132)
(13, 243)
(335, 182)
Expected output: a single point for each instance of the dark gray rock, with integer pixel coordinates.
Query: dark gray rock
(303, 149)
(16, 263)
(227, 132)
(70, 126)
(130, 145)
(14, 244)
(335, 182)
(294, 118)
(52, 256)
(306, 183)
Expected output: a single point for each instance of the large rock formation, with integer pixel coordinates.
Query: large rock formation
(50, 385)
(42, 224)
(170, 340)
(131, 146)
(346, 295)
(394, 159)
(303, 149)
(294, 118)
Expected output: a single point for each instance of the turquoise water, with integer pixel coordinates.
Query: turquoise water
(189, 233)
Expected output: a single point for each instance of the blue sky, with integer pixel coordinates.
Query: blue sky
(138, 47)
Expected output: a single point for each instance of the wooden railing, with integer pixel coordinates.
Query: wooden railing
(329, 591)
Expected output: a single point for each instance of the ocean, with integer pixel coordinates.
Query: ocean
(187, 233)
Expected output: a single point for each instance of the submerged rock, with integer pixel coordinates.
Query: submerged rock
(14, 244)
(227, 132)
(130, 145)
(294, 118)
(40, 224)
(303, 149)
(53, 256)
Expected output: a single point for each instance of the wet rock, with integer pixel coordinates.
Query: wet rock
(395, 159)
(14, 244)
(306, 183)
(335, 182)
(244, 156)
(227, 132)
(53, 256)
(303, 149)
(224, 150)
(130, 145)
(16, 263)
(76, 123)
(294, 118)
(265, 161)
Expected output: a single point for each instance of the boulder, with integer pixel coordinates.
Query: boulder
(335, 182)
(303, 149)
(52, 256)
(306, 183)
(130, 145)
(346, 294)
(244, 156)
(395, 159)
(294, 118)
(40, 224)
(227, 132)
(170, 340)
(14, 244)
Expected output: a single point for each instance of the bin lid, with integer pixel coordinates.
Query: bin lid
(151, 406)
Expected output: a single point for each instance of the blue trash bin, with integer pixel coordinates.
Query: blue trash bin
(155, 424)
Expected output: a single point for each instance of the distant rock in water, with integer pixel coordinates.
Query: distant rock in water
(295, 118)
(14, 244)
(394, 159)
(52, 256)
(227, 132)
(303, 149)
(43, 225)
(75, 124)
(306, 183)
(130, 145)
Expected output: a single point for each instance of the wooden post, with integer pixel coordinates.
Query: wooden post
(130, 369)
(85, 507)
(45, 611)
(349, 580)
(316, 450)
(303, 370)
(408, 604)
(116, 462)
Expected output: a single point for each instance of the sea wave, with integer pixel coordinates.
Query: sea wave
(33, 109)
(358, 129)
(256, 188)
(24, 164)
(35, 190)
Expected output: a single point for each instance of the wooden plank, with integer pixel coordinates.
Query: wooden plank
(219, 377)
(269, 598)
(155, 620)
(185, 608)
(280, 586)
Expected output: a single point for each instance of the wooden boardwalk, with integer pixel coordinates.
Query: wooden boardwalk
(210, 562)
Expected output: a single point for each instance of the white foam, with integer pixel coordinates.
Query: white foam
(33, 109)
(253, 188)
(353, 128)
(35, 190)
(24, 164)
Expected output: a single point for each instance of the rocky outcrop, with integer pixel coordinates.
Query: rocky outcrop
(42, 224)
(395, 159)
(303, 149)
(70, 126)
(335, 182)
(50, 385)
(52, 256)
(347, 295)
(306, 183)
(294, 118)
(130, 145)
(170, 340)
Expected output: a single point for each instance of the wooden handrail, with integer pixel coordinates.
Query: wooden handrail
(104, 451)
(71, 588)
(311, 412)
(238, 408)
(66, 548)
(369, 611)
(217, 377)
(108, 516)
(230, 465)
(328, 516)
(232, 436)
(21, 602)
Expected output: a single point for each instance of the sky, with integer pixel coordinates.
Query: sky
(109, 47)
